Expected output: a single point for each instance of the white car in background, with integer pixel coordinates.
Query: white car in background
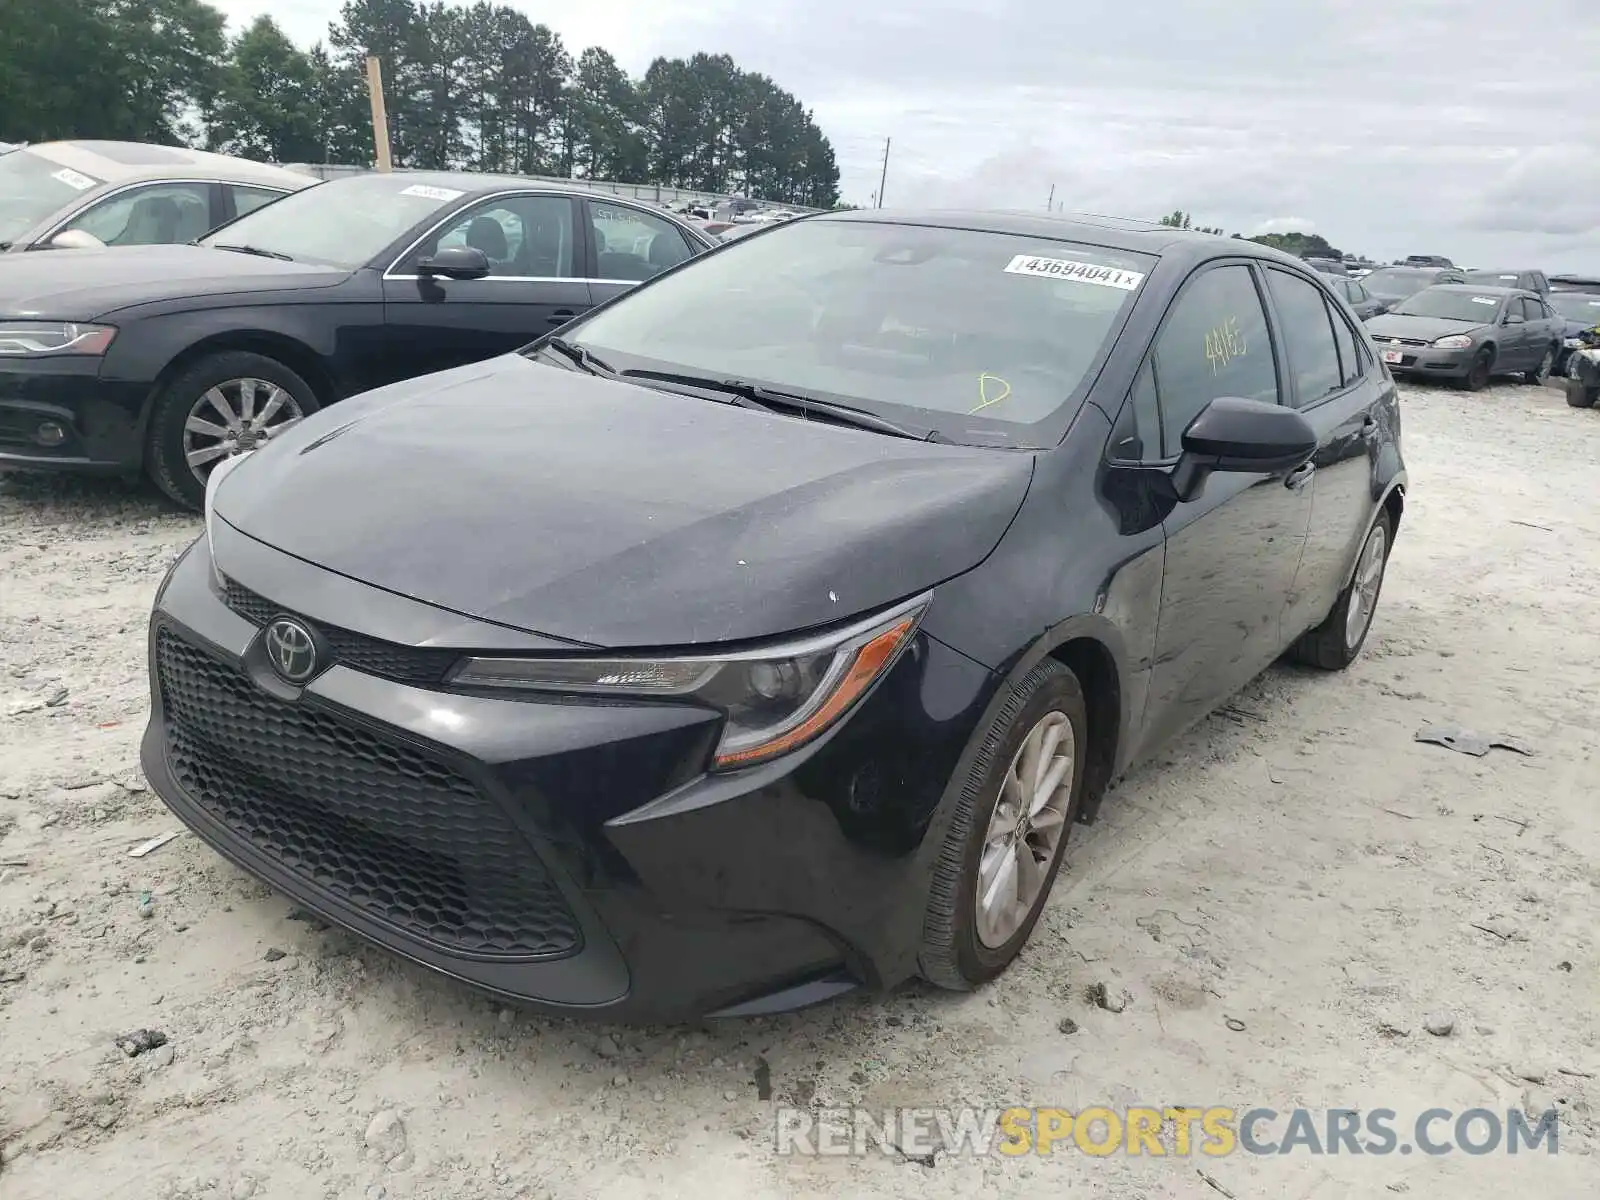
(59, 195)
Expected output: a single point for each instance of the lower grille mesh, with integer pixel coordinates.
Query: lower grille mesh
(385, 829)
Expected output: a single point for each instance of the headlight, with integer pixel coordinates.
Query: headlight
(37, 339)
(213, 482)
(775, 699)
(1456, 341)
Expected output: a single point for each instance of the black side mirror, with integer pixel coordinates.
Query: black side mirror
(1512, 319)
(1238, 435)
(455, 262)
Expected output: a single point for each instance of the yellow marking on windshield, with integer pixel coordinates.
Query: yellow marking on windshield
(988, 383)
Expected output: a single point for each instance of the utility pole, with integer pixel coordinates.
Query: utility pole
(1050, 204)
(884, 177)
(380, 116)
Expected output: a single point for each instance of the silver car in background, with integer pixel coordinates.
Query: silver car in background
(72, 194)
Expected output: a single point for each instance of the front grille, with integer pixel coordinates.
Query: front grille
(404, 664)
(1400, 341)
(385, 829)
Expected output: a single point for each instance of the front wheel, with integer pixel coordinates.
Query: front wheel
(1478, 373)
(1334, 644)
(1000, 857)
(221, 405)
(1579, 396)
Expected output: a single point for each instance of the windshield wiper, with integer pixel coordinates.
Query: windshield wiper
(256, 250)
(766, 399)
(583, 357)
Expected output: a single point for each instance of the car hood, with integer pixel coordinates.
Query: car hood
(1400, 325)
(82, 285)
(615, 515)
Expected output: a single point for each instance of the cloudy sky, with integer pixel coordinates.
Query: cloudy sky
(1391, 127)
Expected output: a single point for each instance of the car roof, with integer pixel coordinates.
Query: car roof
(472, 183)
(1477, 290)
(1116, 233)
(1501, 270)
(123, 162)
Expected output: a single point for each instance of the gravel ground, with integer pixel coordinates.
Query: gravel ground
(1285, 901)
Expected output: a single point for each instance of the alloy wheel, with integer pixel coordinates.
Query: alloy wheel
(1364, 587)
(235, 417)
(1026, 828)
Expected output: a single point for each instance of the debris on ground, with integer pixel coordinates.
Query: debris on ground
(1101, 996)
(154, 843)
(1470, 743)
(136, 1043)
(1439, 1024)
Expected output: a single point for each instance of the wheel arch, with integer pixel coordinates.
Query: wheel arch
(290, 351)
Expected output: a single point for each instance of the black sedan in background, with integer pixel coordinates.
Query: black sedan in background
(1362, 302)
(1469, 334)
(675, 666)
(171, 358)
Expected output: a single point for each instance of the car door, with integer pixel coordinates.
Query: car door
(1338, 388)
(151, 214)
(1516, 337)
(1365, 306)
(628, 245)
(1232, 552)
(534, 284)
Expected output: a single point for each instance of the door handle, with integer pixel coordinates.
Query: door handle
(562, 315)
(1300, 476)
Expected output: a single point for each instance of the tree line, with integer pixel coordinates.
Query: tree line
(477, 87)
(1301, 245)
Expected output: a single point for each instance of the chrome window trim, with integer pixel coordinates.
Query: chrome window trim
(102, 197)
(389, 272)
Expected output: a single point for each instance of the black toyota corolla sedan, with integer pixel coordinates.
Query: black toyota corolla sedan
(671, 667)
(168, 359)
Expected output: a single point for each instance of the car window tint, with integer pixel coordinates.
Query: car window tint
(1137, 435)
(1214, 343)
(248, 199)
(1360, 294)
(159, 215)
(524, 237)
(631, 245)
(1350, 364)
(1307, 336)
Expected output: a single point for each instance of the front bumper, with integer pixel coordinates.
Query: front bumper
(1426, 360)
(571, 856)
(98, 420)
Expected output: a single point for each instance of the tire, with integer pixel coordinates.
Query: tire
(956, 953)
(186, 396)
(1334, 645)
(1540, 375)
(1478, 374)
(1579, 396)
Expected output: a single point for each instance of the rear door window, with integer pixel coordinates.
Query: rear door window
(1308, 338)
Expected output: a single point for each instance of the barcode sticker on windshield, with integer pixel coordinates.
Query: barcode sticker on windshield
(1484, 300)
(430, 193)
(74, 180)
(1064, 268)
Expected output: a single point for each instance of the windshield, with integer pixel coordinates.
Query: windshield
(1577, 306)
(1451, 305)
(32, 189)
(343, 224)
(984, 337)
(1400, 282)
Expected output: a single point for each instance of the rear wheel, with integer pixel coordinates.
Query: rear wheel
(1001, 854)
(1334, 644)
(1478, 373)
(222, 405)
(1540, 375)
(1581, 397)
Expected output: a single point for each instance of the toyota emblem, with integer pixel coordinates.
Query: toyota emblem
(291, 650)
